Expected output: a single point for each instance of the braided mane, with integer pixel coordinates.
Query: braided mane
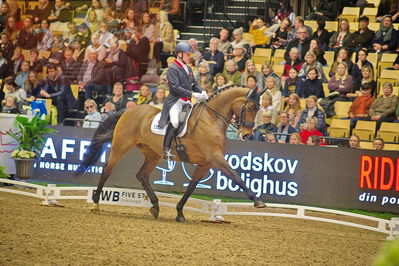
(216, 93)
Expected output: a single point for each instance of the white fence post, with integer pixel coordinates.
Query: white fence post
(216, 210)
(394, 229)
(49, 193)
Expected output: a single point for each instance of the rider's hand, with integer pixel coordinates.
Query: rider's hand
(199, 96)
(205, 94)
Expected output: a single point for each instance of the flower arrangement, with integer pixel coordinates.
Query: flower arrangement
(30, 136)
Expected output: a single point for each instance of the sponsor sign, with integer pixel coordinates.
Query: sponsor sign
(121, 196)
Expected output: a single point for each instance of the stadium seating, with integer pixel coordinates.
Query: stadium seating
(353, 26)
(368, 145)
(350, 13)
(365, 129)
(262, 55)
(391, 147)
(341, 109)
(389, 132)
(278, 57)
(375, 3)
(340, 128)
(386, 61)
(374, 26)
(370, 12)
(387, 76)
(278, 69)
(249, 37)
(331, 26)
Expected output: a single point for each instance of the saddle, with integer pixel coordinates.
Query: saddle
(181, 129)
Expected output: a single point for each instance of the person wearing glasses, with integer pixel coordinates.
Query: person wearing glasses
(93, 117)
(302, 42)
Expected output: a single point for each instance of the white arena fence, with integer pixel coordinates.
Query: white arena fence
(216, 208)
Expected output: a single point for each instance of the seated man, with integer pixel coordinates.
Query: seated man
(91, 75)
(69, 66)
(57, 88)
(364, 36)
(115, 64)
(138, 49)
(214, 57)
(284, 128)
(302, 42)
(385, 39)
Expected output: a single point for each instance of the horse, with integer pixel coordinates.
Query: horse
(204, 142)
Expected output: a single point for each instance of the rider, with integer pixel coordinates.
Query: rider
(182, 87)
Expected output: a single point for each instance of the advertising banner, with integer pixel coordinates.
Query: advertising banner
(295, 174)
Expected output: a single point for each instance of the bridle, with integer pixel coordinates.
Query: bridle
(241, 121)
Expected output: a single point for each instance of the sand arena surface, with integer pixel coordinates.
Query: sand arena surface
(31, 234)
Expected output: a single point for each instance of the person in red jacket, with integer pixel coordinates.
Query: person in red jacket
(360, 107)
(309, 129)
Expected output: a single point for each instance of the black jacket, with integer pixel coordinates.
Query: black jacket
(295, 43)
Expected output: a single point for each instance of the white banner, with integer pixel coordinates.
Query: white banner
(7, 144)
(122, 196)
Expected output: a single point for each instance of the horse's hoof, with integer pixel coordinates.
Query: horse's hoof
(259, 204)
(154, 212)
(95, 210)
(180, 219)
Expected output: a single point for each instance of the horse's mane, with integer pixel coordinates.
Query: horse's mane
(216, 93)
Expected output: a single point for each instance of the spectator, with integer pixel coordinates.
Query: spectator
(26, 38)
(301, 42)
(378, 144)
(69, 66)
(266, 127)
(56, 88)
(267, 70)
(318, 51)
(96, 6)
(14, 10)
(293, 84)
(115, 64)
(284, 11)
(138, 50)
(105, 36)
(258, 28)
(224, 42)
(360, 107)
(45, 36)
(251, 82)
(11, 29)
(70, 35)
(270, 137)
(292, 62)
(197, 54)
(342, 38)
(272, 89)
(266, 105)
(325, 10)
(383, 109)
(10, 105)
(144, 96)
(284, 128)
(93, 117)
(313, 140)
(295, 138)
(239, 57)
(321, 34)
(220, 81)
(231, 72)
(250, 69)
(385, 38)
(91, 75)
(15, 62)
(214, 57)
(42, 11)
(172, 7)
(6, 47)
(363, 37)
(130, 105)
(147, 27)
(312, 85)
(13, 90)
(23, 75)
(366, 78)
(118, 99)
(361, 57)
(293, 109)
(79, 51)
(107, 110)
(166, 32)
(309, 129)
(84, 35)
(313, 111)
(35, 63)
(342, 56)
(159, 99)
(278, 34)
(238, 42)
(32, 86)
(59, 6)
(95, 45)
(92, 21)
(396, 63)
(354, 142)
(3, 65)
(130, 19)
(311, 62)
(112, 23)
(203, 74)
(298, 23)
(3, 15)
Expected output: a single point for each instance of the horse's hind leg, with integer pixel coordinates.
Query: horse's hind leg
(151, 161)
(118, 150)
(199, 172)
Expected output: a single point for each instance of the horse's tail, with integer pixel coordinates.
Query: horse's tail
(103, 135)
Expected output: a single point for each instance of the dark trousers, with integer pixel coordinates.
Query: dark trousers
(90, 87)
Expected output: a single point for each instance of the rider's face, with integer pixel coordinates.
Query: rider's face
(186, 57)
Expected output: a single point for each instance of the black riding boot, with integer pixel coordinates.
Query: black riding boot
(167, 142)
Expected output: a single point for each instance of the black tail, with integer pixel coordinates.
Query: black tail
(103, 134)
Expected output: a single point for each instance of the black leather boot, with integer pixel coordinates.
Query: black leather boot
(167, 142)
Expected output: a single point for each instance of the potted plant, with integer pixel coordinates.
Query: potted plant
(3, 174)
(30, 138)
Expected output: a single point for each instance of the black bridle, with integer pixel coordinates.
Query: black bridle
(241, 121)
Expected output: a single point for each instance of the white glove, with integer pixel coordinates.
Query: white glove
(205, 94)
(199, 96)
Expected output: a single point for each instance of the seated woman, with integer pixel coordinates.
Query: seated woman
(340, 84)
(220, 81)
(130, 20)
(10, 105)
(321, 35)
(32, 86)
(231, 72)
(203, 74)
(250, 69)
(238, 36)
(313, 111)
(293, 109)
(272, 89)
(12, 89)
(144, 96)
(266, 102)
(366, 78)
(313, 140)
(312, 85)
(147, 26)
(96, 6)
(383, 109)
(118, 98)
(354, 142)
(342, 38)
(293, 62)
(385, 39)
(315, 47)
(295, 138)
(251, 82)
(278, 34)
(45, 36)
(267, 71)
(309, 129)
(361, 57)
(311, 62)
(266, 126)
(360, 107)
(107, 110)
(293, 84)
(159, 98)
(95, 45)
(93, 117)
(342, 56)
(238, 57)
(23, 75)
(258, 28)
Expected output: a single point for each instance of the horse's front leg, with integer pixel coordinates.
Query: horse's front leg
(220, 163)
(199, 172)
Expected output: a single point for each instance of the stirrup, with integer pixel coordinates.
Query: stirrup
(167, 155)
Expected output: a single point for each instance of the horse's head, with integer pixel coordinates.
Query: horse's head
(245, 111)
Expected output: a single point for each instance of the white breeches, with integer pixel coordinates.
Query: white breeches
(175, 111)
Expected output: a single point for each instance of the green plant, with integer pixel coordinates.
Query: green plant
(30, 136)
(3, 173)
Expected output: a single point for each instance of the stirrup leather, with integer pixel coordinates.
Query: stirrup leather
(167, 155)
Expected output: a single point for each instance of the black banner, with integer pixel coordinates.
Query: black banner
(296, 174)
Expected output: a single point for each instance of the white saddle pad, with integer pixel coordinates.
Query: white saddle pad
(162, 130)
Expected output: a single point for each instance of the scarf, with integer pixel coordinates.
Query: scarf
(387, 31)
(284, 131)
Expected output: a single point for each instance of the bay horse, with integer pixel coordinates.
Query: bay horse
(204, 141)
